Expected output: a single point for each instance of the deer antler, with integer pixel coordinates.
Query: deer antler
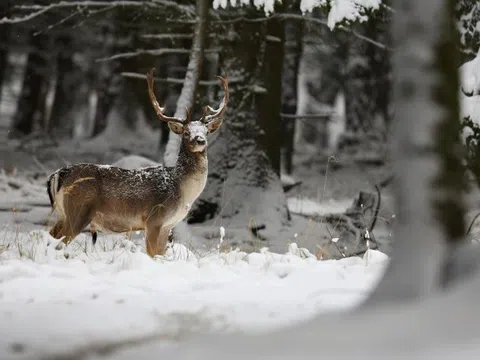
(158, 109)
(221, 108)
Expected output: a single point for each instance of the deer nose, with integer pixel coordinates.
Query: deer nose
(199, 140)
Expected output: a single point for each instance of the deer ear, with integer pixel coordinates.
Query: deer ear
(214, 125)
(176, 127)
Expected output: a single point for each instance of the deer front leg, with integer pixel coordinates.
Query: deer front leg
(151, 240)
(163, 240)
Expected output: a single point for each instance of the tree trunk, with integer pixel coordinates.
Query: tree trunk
(175, 66)
(5, 30)
(4, 38)
(110, 81)
(428, 173)
(243, 191)
(291, 63)
(324, 76)
(62, 116)
(35, 79)
(367, 82)
(186, 99)
(360, 109)
(269, 104)
(380, 64)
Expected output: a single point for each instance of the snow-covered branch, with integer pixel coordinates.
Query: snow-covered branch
(37, 10)
(302, 18)
(339, 10)
(166, 36)
(341, 27)
(342, 10)
(470, 77)
(153, 52)
(170, 80)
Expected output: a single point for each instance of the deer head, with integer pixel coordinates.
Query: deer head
(194, 132)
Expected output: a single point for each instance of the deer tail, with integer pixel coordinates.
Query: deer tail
(52, 187)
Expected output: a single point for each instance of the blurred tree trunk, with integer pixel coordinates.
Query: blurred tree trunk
(174, 66)
(380, 63)
(367, 85)
(4, 39)
(62, 116)
(322, 87)
(360, 107)
(429, 176)
(109, 81)
(269, 104)
(291, 63)
(5, 30)
(31, 103)
(242, 188)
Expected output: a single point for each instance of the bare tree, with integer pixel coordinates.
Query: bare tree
(186, 99)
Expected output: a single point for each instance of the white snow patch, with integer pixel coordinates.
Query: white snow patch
(134, 162)
(470, 84)
(470, 76)
(310, 207)
(340, 10)
(52, 305)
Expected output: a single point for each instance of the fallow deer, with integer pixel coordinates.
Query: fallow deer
(154, 199)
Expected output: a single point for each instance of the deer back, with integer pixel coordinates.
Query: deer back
(117, 199)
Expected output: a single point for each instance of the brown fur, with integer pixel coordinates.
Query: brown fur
(154, 199)
(118, 200)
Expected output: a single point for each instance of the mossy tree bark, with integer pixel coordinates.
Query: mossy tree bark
(243, 191)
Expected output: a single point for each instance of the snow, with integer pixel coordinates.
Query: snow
(340, 10)
(470, 89)
(311, 207)
(134, 162)
(470, 76)
(55, 302)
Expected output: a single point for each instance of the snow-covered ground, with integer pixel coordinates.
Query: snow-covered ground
(55, 302)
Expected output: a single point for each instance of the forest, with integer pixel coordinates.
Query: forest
(342, 178)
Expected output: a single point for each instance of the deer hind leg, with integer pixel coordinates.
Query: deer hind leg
(93, 231)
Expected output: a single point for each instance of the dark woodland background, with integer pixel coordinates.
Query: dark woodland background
(306, 101)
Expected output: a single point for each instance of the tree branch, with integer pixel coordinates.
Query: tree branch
(169, 80)
(38, 10)
(298, 17)
(318, 116)
(167, 36)
(153, 52)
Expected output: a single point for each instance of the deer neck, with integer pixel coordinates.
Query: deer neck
(191, 171)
